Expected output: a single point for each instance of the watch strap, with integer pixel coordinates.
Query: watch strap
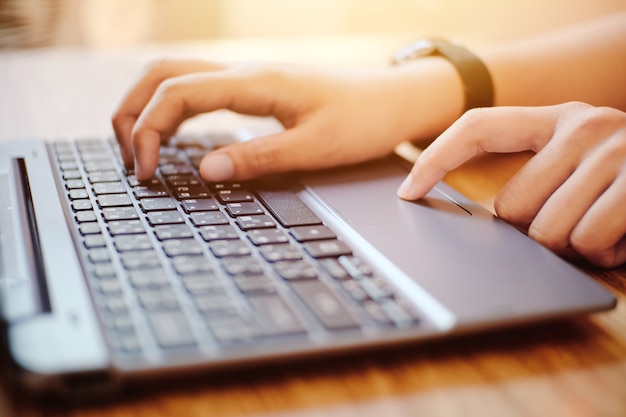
(475, 76)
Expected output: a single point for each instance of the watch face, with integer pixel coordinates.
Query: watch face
(419, 48)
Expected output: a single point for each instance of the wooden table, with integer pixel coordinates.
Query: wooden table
(575, 367)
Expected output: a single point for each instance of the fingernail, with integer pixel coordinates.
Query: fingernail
(404, 191)
(217, 167)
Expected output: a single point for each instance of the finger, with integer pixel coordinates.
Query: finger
(289, 150)
(179, 98)
(600, 236)
(479, 130)
(579, 130)
(136, 99)
(564, 208)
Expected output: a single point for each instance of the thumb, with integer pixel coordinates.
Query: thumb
(259, 156)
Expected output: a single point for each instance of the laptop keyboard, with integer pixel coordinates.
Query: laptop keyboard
(177, 264)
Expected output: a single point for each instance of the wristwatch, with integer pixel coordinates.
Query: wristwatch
(477, 83)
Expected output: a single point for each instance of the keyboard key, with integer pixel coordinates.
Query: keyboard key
(164, 217)
(233, 329)
(267, 236)
(158, 204)
(172, 231)
(201, 284)
(206, 218)
(254, 284)
(280, 252)
(94, 241)
(157, 298)
(149, 191)
(127, 243)
(296, 270)
(262, 221)
(171, 329)
(288, 208)
(120, 213)
(275, 316)
(215, 305)
(114, 200)
(180, 247)
(234, 196)
(242, 265)
(91, 228)
(324, 304)
(222, 248)
(203, 204)
(185, 192)
(327, 248)
(307, 233)
(218, 232)
(188, 265)
(140, 260)
(125, 227)
(86, 216)
(109, 188)
(103, 176)
(78, 193)
(148, 278)
(78, 205)
(243, 209)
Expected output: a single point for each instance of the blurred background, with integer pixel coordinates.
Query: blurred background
(114, 23)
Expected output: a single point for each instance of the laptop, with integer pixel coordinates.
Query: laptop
(105, 280)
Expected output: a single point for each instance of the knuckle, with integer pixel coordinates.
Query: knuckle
(265, 156)
(594, 253)
(548, 238)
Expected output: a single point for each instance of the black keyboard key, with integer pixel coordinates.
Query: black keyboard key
(262, 221)
(185, 192)
(218, 232)
(222, 248)
(179, 247)
(324, 304)
(267, 236)
(234, 196)
(190, 265)
(243, 209)
(288, 208)
(280, 252)
(171, 329)
(327, 248)
(208, 218)
(308, 233)
(203, 204)
(149, 191)
(275, 316)
(296, 270)
(164, 217)
(158, 204)
(172, 231)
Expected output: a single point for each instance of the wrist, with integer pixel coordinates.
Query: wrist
(434, 95)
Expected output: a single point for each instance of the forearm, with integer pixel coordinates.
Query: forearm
(582, 63)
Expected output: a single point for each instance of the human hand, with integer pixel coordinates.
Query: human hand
(570, 197)
(330, 117)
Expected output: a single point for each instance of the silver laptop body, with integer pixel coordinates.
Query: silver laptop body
(402, 272)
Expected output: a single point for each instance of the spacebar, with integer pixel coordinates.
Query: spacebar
(288, 209)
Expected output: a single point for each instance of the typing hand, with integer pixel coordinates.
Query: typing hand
(330, 117)
(571, 196)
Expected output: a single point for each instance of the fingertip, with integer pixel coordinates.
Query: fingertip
(217, 167)
(146, 146)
